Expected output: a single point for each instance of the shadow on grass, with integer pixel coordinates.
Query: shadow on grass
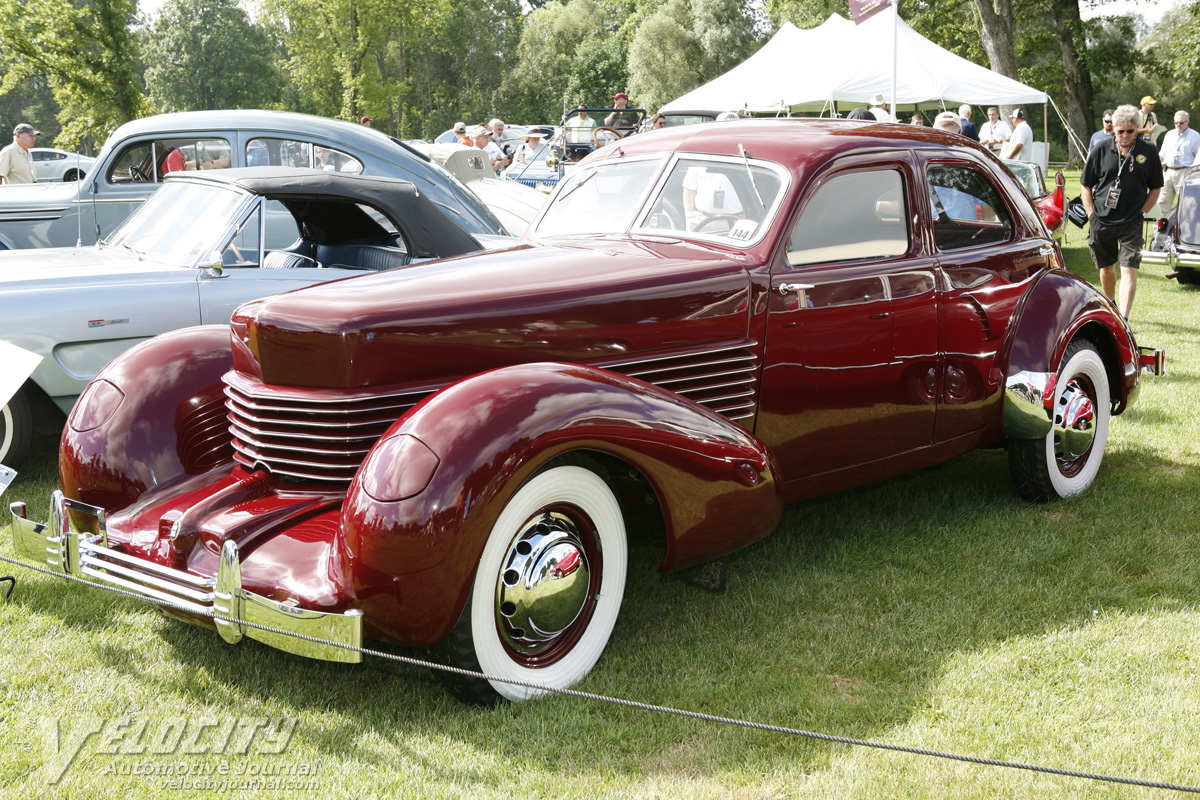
(839, 622)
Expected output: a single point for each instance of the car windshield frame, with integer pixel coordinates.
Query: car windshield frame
(725, 238)
(637, 219)
(579, 177)
(183, 222)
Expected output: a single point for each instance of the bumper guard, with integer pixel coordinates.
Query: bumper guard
(59, 547)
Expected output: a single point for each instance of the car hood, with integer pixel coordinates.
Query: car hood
(585, 300)
(16, 197)
(70, 265)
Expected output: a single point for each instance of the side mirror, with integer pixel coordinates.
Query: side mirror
(216, 265)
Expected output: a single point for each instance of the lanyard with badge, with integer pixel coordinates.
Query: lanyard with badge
(1114, 192)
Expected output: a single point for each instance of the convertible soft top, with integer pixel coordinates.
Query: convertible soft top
(326, 203)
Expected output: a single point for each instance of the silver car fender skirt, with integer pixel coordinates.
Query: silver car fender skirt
(1029, 404)
(75, 542)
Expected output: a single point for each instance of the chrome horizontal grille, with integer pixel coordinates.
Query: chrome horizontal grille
(320, 435)
(324, 434)
(722, 379)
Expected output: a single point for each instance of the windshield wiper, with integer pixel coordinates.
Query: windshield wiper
(750, 172)
(582, 181)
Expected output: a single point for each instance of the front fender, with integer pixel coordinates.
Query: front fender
(157, 412)
(423, 504)
(1056, 309)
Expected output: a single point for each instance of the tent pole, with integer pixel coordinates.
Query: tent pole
(1046, 135)
(895, 57)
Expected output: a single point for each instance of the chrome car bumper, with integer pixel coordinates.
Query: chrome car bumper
(1029, 404)
(1029, 397)
(1171, 257)
(57, 546)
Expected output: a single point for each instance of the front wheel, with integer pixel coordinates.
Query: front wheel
(16, 430)
(1066, 460)
(547, 591)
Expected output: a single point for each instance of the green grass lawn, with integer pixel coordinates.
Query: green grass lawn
(935, 610)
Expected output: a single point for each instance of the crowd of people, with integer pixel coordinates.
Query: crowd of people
(1124, 177)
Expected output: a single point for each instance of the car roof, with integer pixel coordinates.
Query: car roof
(256, 119)
(791, 142)
(430, 231)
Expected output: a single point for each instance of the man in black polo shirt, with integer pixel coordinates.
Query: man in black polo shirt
(1120, 183)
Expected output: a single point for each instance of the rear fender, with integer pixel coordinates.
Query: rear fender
(423, 504)
(1058, 308)
(154, 414)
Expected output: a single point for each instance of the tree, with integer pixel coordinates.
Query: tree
(88, 53)
(685, 44)
(207, 54)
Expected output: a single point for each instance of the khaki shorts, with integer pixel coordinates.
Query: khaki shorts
(1115, 244)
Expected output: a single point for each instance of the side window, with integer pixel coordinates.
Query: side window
(265, 152)
(967, 209)
(151, 161)
(242, 250)
(853, 216)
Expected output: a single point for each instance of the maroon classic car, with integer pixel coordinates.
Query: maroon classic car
(704, 323)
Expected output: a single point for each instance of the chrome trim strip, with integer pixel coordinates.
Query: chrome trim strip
(1029, 404)
(284, 393)
(174, 574)
(680, 354)
(290, 441)
(348, 409)
(145, 591)
(92, 564)
(275, 462)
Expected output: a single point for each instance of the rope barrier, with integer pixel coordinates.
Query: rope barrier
(635, 704)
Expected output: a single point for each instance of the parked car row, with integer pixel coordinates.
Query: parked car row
(702, 324)
(137, 157)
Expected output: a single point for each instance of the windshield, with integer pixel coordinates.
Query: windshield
(603, 199)
(179, 223)
(728, 200)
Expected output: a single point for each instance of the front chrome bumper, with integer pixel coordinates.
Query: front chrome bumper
(59, 547)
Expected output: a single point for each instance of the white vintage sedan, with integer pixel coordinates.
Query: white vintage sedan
(199, 247)
(52, 164)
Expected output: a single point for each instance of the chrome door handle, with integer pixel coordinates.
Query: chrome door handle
(1046, 250)
(784, 288)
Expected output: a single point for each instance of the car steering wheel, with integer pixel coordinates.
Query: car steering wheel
(596, 135)
(716, 217)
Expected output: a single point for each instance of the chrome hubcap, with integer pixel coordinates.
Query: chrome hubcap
(1074, 422)
(543, 584)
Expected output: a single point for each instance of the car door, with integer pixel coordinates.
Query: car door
(987, 258)
(851, 365)
(242, 278)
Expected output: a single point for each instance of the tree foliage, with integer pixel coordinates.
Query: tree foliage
(207, 54)
(89, 55)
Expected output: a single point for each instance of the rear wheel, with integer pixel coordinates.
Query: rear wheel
(1066, 460)
(72, 175)
(1187, 275)
(547, 591)
(16, 430)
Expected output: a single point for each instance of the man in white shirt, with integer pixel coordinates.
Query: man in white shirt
(578, 129)
(1021, 140)
(1179, 148)
(995, 132)
(483, 140)
(16, 162)
(878, 108)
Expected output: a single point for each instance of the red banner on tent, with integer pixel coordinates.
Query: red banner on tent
(862, 10)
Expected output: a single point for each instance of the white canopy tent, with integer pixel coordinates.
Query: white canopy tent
(842, 64)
